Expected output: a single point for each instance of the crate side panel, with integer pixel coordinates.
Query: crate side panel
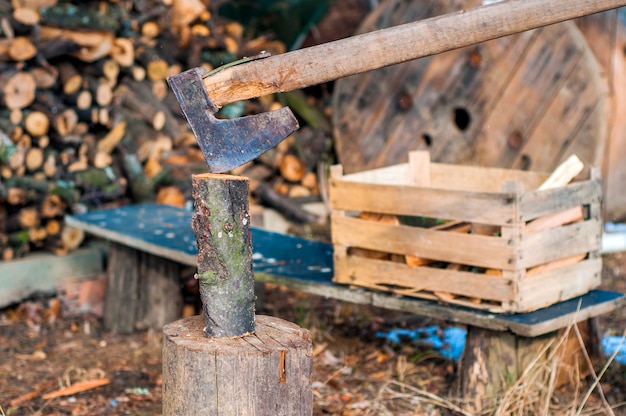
(468, 249)
(388, 175)
(486, 208)
(481, 179)
(536, 204)
(453, 177)
(559, 284)
(556, 243)
(384, 275)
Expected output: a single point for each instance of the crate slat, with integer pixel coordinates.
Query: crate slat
(471, 249)
(535, 204)
(560, 284)
(565, 241)
(384, 275)
(480, 207)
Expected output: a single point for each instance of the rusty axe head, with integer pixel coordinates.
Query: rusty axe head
(227, 144)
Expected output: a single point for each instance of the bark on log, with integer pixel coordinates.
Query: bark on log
(221, 223)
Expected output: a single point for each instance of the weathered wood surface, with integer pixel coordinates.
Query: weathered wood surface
(43, 272)
(526, 101)
(221, 224)
(143, 290)
(606, 35)
(493, 362)
(267, 373)
(308, 266)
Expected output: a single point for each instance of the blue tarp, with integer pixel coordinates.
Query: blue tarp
(450, 341)
(612, 343)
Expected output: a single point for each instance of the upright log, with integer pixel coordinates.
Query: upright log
(221, 224)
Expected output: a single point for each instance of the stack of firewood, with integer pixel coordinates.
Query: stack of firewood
(87, 119)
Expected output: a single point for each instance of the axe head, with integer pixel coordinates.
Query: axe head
(227, 144)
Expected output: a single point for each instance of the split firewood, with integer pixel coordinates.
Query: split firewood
(284, 205)
(170, 195)
(292, 168)
(453, 226)
(112, 138)
(36, 123)
(123, 52)
(561, 176)
(95, 44)
(27, 16)
(25, 218)
(62, 118)
(52, 206)
(17, 89)
(21, 49)
(375, 254)
(71, 80)
(154, 62)
(34, 159)
(566, 261)
(44, 77)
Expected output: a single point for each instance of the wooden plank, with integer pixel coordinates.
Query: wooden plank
(559, 284)
(141, 229)
(556, 243)
(534, 204)
(43, 272)
(546, 75)
(481, 207)
(486, 251)
(385, 275)
(546, 147)
(454, 177)
(482, 179)
(554, 220)
(531, 324)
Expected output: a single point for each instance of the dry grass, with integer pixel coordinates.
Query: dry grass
(531, 395)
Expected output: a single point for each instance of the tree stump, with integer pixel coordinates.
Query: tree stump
(267, 373)
(493, 361)
(143, 291)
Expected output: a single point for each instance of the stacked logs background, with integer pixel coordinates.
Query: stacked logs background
(87, 119)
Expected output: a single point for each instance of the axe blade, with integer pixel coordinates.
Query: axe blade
(227, 144)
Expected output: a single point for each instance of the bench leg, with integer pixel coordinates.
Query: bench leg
(143, 291)
(493, 361)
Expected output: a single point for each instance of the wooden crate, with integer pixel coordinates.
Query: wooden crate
(520, 254)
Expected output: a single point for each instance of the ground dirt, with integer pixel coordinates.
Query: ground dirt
(42, 350)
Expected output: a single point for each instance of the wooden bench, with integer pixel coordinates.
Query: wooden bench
(151, 242)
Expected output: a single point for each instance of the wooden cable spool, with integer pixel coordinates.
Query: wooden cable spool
(526, 101)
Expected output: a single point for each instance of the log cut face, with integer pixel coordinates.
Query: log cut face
(221, 223)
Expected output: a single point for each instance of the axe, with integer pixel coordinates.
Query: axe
(227, 144)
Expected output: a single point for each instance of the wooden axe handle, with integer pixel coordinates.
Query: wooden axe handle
(361, 53)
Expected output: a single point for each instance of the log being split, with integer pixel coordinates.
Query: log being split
(221, 223)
